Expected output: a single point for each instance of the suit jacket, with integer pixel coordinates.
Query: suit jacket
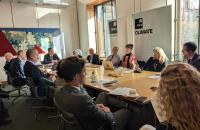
(95, 59)
(83, 107)
(48, 59)
(154, 65)
(7, 67)
(195, 61)
(40, 79)
(16, 68)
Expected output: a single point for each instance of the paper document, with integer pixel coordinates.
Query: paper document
(161, 115)
(124, 92)
(154, 77)
(106, 81)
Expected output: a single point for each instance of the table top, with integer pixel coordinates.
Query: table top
(139, 81)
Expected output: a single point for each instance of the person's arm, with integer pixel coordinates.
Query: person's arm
(88, 59)
(56, 57)
(90, 111)
(97, 60)
(147, 64)
(46, 61)
(197, 65)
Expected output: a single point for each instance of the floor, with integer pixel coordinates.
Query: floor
(23, 118)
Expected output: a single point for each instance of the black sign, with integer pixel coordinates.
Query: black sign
(113, 26)
(139, 27)
(139, 23)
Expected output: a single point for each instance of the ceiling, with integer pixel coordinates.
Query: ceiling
(46, 3)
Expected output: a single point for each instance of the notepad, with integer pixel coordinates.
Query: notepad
(123, 91)
(107, 81)
(154, 77)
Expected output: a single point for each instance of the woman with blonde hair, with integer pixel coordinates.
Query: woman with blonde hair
(179, 94)
(157, 62)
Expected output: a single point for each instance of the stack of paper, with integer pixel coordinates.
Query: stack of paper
(124, 92)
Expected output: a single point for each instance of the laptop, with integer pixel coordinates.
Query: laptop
(108, 65)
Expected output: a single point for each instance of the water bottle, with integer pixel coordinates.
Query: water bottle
(93, 77)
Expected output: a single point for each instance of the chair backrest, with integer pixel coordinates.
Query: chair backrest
(141, 64)
(70, 121)
(30, 82)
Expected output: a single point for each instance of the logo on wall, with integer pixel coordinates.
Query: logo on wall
(139, 25)
(113, 26)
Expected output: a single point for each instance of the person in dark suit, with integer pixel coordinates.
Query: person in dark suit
(190, 55)
(158, 62)
(8, 57)
(31, 70)
(90, 115)
(51, 57)
(92, 57)
(17, 69)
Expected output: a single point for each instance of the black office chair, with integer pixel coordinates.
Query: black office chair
(67, 119)
(141, 64)
(35, 97)
(14, 81)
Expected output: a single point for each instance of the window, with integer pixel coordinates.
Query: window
(103, 14)
(188, 22)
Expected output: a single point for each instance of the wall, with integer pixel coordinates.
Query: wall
(125, 9)
(26, 16)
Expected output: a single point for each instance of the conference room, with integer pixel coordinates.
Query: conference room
(99, 65)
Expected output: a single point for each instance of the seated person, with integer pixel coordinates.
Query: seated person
(17, 69)
(190, 55)
(8, 57)
(31, 70)
(129, 59)
(78, 53)
(51, 57)
(179, 80)
(91, 116)
(114, 58)
(157, 62)
(92, 57)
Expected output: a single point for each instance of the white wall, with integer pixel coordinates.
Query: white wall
(125, 9)
(25, 16)
(83, 27)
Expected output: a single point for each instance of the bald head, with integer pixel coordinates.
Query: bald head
(8, 56)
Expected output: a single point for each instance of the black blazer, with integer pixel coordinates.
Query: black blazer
(154, 65)
(35, 73)
(48, 59)
(7, 67)
(165, 126)
(83, 107)
(95, 59)
(195, 61)
(16, 68)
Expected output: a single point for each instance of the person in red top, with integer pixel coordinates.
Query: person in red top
(129, 59)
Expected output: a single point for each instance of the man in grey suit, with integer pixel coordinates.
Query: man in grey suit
(73, 98)
(190, 55)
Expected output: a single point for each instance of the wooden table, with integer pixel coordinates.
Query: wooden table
(139, 81)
